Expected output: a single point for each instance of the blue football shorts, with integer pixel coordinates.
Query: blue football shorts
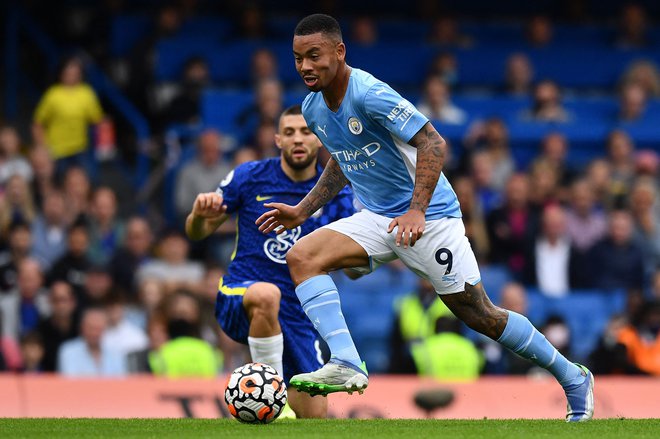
(302, 348)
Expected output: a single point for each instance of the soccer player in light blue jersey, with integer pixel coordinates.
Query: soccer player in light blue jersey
(393, 157)
(256, 303)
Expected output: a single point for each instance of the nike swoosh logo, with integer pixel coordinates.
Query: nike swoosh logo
(264, 197)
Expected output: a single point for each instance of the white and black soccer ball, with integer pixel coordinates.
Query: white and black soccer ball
(255, 393)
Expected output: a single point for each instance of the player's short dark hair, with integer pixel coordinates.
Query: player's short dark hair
(319, 23)
(292, 110)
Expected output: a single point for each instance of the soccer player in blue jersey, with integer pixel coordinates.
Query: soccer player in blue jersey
(256, 302)
(393, 158)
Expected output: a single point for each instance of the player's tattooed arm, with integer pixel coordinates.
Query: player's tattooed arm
(430, 159)
(330, 183)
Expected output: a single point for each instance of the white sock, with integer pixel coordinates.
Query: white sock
(268, 350)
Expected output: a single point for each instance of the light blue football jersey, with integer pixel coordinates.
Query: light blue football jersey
(368, 137)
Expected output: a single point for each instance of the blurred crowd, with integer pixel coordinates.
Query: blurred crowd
(90, 285)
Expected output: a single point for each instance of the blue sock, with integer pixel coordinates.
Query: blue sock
(522, 338)
(320, 301)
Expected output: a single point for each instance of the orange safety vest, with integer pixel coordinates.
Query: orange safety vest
(642, 353)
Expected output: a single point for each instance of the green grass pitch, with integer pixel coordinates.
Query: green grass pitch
(331, 428)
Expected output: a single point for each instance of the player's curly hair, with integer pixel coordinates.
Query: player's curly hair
(319, 23)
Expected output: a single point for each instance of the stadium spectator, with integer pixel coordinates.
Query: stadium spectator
(184, 108)
(513, 226)
(518, 75)
(16, 204)
(501, 361)
(447, 355)
(73, 265)
(77, 193)
(416, 316)
(550, 260)
(64, 114)
(445, 67)
(138, 361)
(642, 340)
(202, 173)
(598, 175)
(267, 106)
(263, 143)
(11, 161)
(172, 266)
(643, 207)
(250, 24)
(554, 151)
(185, 355)
(558, 333)
(184, 305)
(538, 31)
(632, 103)
(60, 326)
(43, 168)
(645, 74)
(32, 353)
(363, 31)
(445, 32)
(609, 356)
(633, 27)
(142, 59)
(106, 230)
(585, 225)
(492, 136)
(49, 230)
(482, 176)
(150, 295)
(10, 353)
(547, 105)
(263, 65)
(88, 355)
(27, 303)
(135, 251)
(18, 249)
(123, 335)
(621, 158)
(473, 217)
(617, 260)
(545, 188)
(245, 154)
(647, 163)
(98, 287)
(436, 103)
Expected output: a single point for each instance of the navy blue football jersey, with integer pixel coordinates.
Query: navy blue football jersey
(258, 256)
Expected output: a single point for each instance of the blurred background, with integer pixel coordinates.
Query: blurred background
(115, 114)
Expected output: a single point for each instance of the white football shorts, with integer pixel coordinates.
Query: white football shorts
(443, 255)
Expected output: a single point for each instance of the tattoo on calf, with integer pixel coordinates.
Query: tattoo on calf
(476, 310)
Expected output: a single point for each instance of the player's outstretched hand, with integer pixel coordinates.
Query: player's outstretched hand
(209, 206)
(410, 227)
(280, 218)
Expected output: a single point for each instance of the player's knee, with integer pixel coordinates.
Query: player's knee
(300, 261)
(262, 297)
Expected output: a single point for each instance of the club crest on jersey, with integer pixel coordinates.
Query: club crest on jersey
(354, 125)
(277, 247)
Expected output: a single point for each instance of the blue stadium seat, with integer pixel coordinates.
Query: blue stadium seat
(126, 31)
(493, 279)
(586, 313)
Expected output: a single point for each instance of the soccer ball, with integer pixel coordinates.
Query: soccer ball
(255, 393)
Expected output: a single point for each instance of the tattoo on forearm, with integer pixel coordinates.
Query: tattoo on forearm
(330, 183)
(430, 159)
